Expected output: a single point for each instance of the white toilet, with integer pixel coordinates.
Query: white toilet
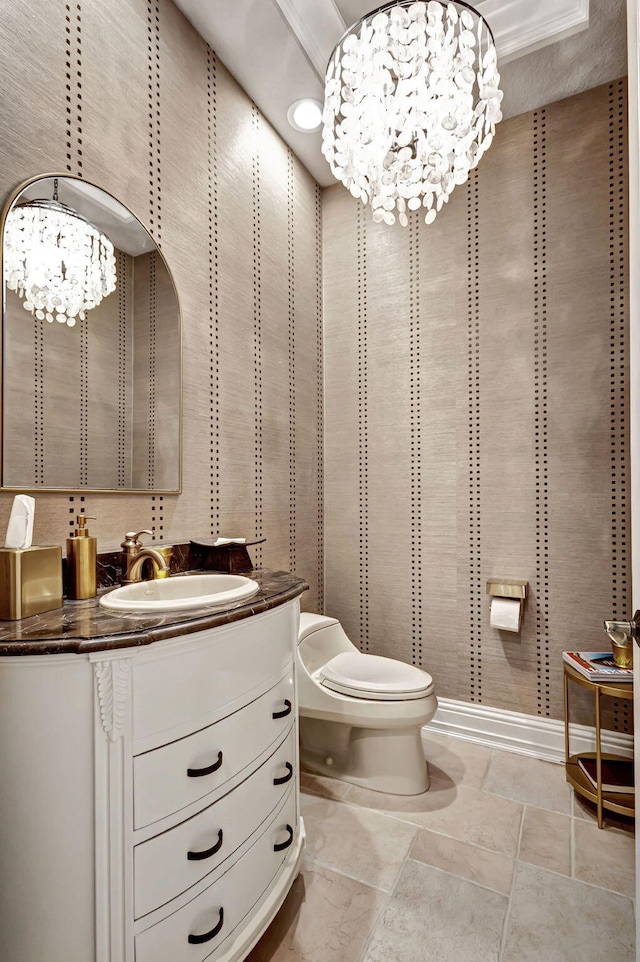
(360, 715)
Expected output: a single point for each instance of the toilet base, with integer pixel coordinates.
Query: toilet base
(384, 760)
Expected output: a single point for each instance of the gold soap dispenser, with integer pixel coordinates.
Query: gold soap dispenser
(81, 561)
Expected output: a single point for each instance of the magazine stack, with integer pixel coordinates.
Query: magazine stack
(597, 666)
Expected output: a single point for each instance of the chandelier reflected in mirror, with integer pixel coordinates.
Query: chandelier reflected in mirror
(56, 260)
(411, 102)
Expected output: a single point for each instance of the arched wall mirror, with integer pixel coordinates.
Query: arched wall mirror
(91, 345)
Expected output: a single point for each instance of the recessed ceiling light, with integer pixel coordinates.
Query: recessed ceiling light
(305, 115)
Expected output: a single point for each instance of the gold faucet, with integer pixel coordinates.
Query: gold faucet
(134, 555)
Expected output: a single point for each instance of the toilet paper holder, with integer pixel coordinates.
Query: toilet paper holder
(514, 589)
(507, 588)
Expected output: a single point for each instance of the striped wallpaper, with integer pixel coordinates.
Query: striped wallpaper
(128, 96)
(467, 381)
(475, 421)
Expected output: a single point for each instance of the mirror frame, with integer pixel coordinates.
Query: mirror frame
(66, 490)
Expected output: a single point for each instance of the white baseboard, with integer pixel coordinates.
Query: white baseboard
(524, 734)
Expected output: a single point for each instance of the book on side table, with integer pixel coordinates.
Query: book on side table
(597, 666)
(617, 774)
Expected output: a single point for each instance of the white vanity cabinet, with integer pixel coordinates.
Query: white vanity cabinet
(149, 796)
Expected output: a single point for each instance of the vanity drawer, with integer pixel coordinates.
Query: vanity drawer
(171, 862)
(169, 778)
(176, 685)
(199, 928)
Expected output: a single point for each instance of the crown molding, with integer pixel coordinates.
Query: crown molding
(317, 25)
(520, 26)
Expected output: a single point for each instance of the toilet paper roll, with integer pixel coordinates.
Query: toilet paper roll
(505, 614)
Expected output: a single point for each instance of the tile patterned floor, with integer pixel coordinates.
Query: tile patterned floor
(497, 862)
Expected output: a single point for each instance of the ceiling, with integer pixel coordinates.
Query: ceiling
(278, 49)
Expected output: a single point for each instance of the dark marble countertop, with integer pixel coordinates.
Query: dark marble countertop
(84, 627)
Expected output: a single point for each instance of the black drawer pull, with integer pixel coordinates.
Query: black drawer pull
(197, 856)
(199, 939)
(197, 772)
(283, 845)
(285, 778)
(283, 714)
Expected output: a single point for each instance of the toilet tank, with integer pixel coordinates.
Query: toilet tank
(319, 639)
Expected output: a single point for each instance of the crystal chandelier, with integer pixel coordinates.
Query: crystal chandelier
(411, 104)
(56, 260)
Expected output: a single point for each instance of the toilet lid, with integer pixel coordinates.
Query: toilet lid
(371, 676)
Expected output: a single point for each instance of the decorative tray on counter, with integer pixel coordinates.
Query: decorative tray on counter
(232, 556)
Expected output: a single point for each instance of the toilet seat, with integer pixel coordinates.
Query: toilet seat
(374, 677)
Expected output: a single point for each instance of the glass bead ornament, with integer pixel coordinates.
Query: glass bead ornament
(56, 261)
(412, 98)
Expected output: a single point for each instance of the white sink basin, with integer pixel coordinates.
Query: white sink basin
(171, 594)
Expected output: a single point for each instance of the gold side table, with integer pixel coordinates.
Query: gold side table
(621, 802)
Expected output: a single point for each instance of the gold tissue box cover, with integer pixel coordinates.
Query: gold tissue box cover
(30, 581)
